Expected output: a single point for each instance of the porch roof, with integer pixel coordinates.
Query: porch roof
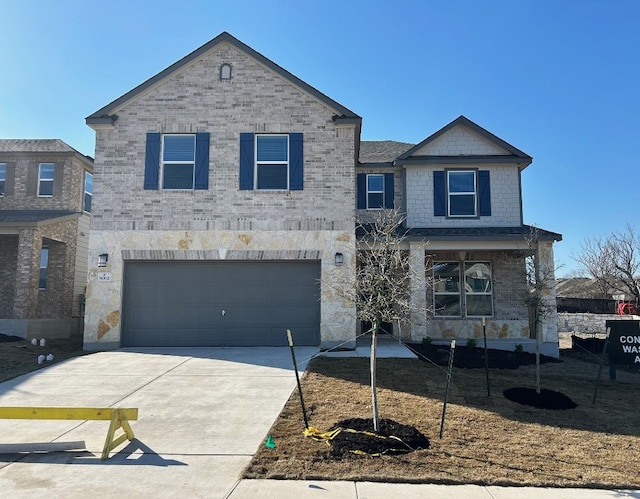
(34, 218)
(518, 233)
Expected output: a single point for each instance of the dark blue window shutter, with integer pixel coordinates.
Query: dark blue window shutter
(296, 162)
(484, 193)
(246, 161)
(388, 190)
(152, 161)
(362, 191)
(439, 194)
(202, 161)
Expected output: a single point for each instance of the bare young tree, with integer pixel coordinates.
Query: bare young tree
(614, 262)
(539, 276)
(382, 282)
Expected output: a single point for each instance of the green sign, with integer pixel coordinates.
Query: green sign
(624, 342)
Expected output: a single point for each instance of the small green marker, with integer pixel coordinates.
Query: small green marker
(270, 443)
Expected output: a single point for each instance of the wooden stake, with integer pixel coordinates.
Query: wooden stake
(446, 391)
(295, 368)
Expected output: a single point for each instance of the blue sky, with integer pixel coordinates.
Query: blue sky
(558, 79)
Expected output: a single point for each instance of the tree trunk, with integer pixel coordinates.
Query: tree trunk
(372, 363)
(537, 352)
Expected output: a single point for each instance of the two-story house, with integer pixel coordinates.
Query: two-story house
(45, 206)
(226, 197)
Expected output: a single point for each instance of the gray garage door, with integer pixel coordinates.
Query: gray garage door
(221, 303)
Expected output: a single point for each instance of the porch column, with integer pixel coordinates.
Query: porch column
(27, 274)
(546, 271)
(418, 291)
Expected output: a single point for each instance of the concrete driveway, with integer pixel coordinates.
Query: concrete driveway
(203, 412)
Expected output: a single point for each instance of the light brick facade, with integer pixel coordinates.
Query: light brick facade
(222, 218)
(131, 223)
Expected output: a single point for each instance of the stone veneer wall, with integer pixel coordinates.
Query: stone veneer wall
(104, 298)
(588, 323)
(472, 328)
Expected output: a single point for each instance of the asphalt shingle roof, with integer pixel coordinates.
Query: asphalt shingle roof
(31, 216)
(484, 233)
(35, 145)
(382, 151)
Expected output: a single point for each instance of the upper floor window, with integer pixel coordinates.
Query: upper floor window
(45, 179)
(44, 268)
(3, 177)
(473, 299)
(178, 161)
(462, 193)
(375, 191)
(88, 191)
(272, 162)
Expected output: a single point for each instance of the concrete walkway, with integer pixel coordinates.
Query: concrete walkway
(203, 413)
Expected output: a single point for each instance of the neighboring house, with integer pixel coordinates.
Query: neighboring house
(226, 205)
(45, 206)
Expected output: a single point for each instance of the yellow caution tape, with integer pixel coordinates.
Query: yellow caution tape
(328, 436)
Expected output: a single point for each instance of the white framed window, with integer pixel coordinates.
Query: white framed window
(478, 289)
(272, 162)
(446, 289)
(44, 268)
(45, 179)
(462, 191)
(3, 178)
(473, 299)
(88, 191)
(178, 161)
(375, 191)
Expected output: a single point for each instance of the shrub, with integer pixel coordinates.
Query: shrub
(519, 348)
(472, 343)
(427, 340)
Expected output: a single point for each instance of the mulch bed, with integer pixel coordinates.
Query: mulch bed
(393, 438)
(546, 399)
(473, 357)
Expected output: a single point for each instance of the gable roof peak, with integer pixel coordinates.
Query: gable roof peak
(105, 116)
(485, 134)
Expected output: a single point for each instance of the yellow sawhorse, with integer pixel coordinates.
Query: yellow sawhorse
(119, 419)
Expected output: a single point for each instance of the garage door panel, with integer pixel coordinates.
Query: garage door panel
(168, 338)
(220, 303)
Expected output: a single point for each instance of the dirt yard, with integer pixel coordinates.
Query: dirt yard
(18, 356)
(487, 438)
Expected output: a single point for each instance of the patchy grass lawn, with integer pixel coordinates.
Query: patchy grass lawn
(487, 440)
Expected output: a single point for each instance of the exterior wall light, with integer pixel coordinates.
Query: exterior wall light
(339, 259)
(103, 259)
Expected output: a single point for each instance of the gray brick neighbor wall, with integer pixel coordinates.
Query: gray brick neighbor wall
(31, 222)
